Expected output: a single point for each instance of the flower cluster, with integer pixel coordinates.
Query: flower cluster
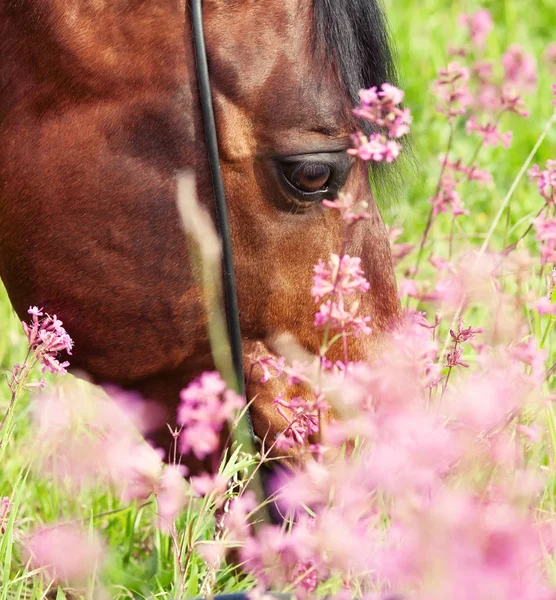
(382, 109)
(337, 280)
(47, 338)
(452, 91)
(206, 406)
(546, 181)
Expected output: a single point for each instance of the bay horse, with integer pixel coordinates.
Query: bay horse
(99, 109)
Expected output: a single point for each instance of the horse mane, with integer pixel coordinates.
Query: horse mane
(355, 34)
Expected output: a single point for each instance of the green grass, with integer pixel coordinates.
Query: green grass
(141, 561)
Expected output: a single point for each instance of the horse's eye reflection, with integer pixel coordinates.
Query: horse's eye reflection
(308, 177)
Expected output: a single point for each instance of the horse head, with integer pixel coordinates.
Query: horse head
(100, 109)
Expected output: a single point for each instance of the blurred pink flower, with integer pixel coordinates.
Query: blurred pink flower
(236, 520)
(479, 25)
(377, 147)
(520, 68)
(545, 180)
(337, 315)
(545, 228)
(489, 132)
(171, 495)
(345, 205)
(5, 509)
(206, 405)
(382, 109)
(550, 56)
(399, 251)
(451, 89)
(65, 552)
(544, 306)
(448, 197)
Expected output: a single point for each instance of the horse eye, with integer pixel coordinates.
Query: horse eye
(308, 177)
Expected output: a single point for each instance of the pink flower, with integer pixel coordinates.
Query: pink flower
(171, 496)
(47, 338)
(340, 275)
(448, 197)
(271, 366)
(520, 68)
(134, 466)
(65, 552)
(471, 173)
(382, 109)
(344, 204)
(545, 180)
(451, 89)
(5, 509)
(205, 407)
(544, 306)
(338, 316)
(479, 25)
(530, 354)
(206, 484)
(545, 228)
(489, 132)
(408, 287)
(510, 101)
(399, 251)
(301, 418)
(550, 56)
(236, 518)
(376, 148)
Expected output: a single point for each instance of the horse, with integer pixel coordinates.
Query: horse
(99, 109)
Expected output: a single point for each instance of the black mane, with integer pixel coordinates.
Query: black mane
(354, 34)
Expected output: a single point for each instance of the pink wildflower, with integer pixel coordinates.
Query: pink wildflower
(382, 109)
(479, 25)
(302, 419)
(550, 56)
(520, 68)
(271, 366)
(205, 407)
(133, 465)
(470, 173)
(341, 275)
(408, 287)
(545, 228)
(530, 354)
(544, 306)
(206, 484)
(349, 212)
(399, 251)
(451, 89)
(47, 338)
(377, 147)
(510, 101)
(545, 180)
(338, 316)
(65, 552)
(448, 196)
(171, 496)
(5, 509)
(489, 132)
(236, 519)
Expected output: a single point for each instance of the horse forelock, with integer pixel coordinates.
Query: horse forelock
(355, 34)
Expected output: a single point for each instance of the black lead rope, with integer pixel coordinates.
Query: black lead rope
(230, 289)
